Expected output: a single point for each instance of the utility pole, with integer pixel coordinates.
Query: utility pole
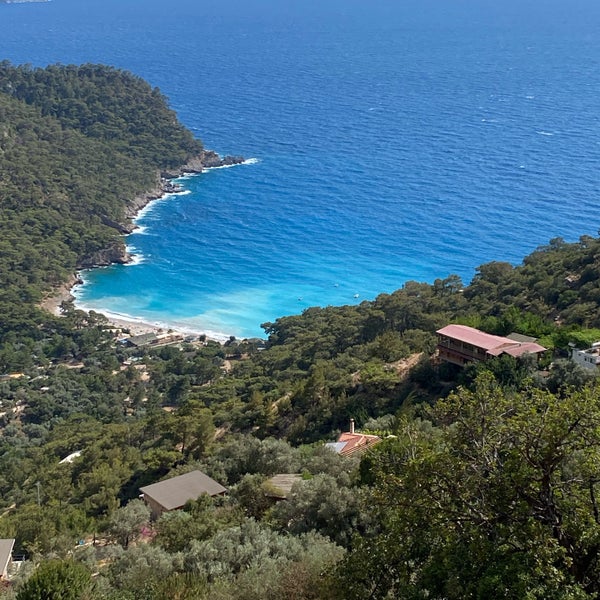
(38, 493)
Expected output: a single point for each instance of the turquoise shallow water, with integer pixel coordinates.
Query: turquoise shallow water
(394, 141)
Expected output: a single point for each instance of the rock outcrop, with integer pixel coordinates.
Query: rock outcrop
(207, 160)
(136, 204)
(115, 253)
(124, 229)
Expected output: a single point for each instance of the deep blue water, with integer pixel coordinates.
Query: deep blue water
(394, 140)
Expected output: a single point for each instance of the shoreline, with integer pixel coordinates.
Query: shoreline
(64, 293)
(164, 186)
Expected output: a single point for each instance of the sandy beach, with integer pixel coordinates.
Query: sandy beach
(52, 304)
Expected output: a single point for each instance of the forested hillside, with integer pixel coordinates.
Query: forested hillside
(76, 145)
(487, 483)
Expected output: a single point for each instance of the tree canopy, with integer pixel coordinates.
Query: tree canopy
(486, 485)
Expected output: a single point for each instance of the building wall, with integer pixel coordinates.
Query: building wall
(588, 359)
(4, 573)
(5, 557)
(155, 508)
(459, 353)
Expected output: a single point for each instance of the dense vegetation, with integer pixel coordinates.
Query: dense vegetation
(76, 144)
(487, 488)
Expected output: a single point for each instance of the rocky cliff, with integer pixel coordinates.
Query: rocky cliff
(117, 253)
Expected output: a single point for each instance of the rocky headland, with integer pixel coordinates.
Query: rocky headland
(113, 254)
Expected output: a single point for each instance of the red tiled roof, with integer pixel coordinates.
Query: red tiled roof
(470, 335)
(521, 349)
(502, 348)
(354, 442)
(494, 345)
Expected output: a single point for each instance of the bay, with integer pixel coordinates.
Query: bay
(393, 141)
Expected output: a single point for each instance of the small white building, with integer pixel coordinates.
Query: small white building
(589, 358)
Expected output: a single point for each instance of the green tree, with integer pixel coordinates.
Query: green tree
(251, 493)
(323, 505)
(125, 524)
(57, 580)
(175, 530)
(138, 572)
(498, 501)
(252, 547)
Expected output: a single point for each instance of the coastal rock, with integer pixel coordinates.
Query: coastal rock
(212, 159)
(124, 228)
(115, 253)
(207, 160)
(134, 206)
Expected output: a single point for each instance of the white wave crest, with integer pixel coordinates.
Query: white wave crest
(135, 259)
(135, 256)
(146, 210)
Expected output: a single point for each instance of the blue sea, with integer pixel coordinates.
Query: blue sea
(390, 141)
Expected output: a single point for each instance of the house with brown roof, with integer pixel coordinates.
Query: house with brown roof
(172, 494)
(6, 548)
(460, 345)
(352, 442)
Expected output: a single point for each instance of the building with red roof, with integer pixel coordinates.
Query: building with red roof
(460, 345)
(351, 442)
